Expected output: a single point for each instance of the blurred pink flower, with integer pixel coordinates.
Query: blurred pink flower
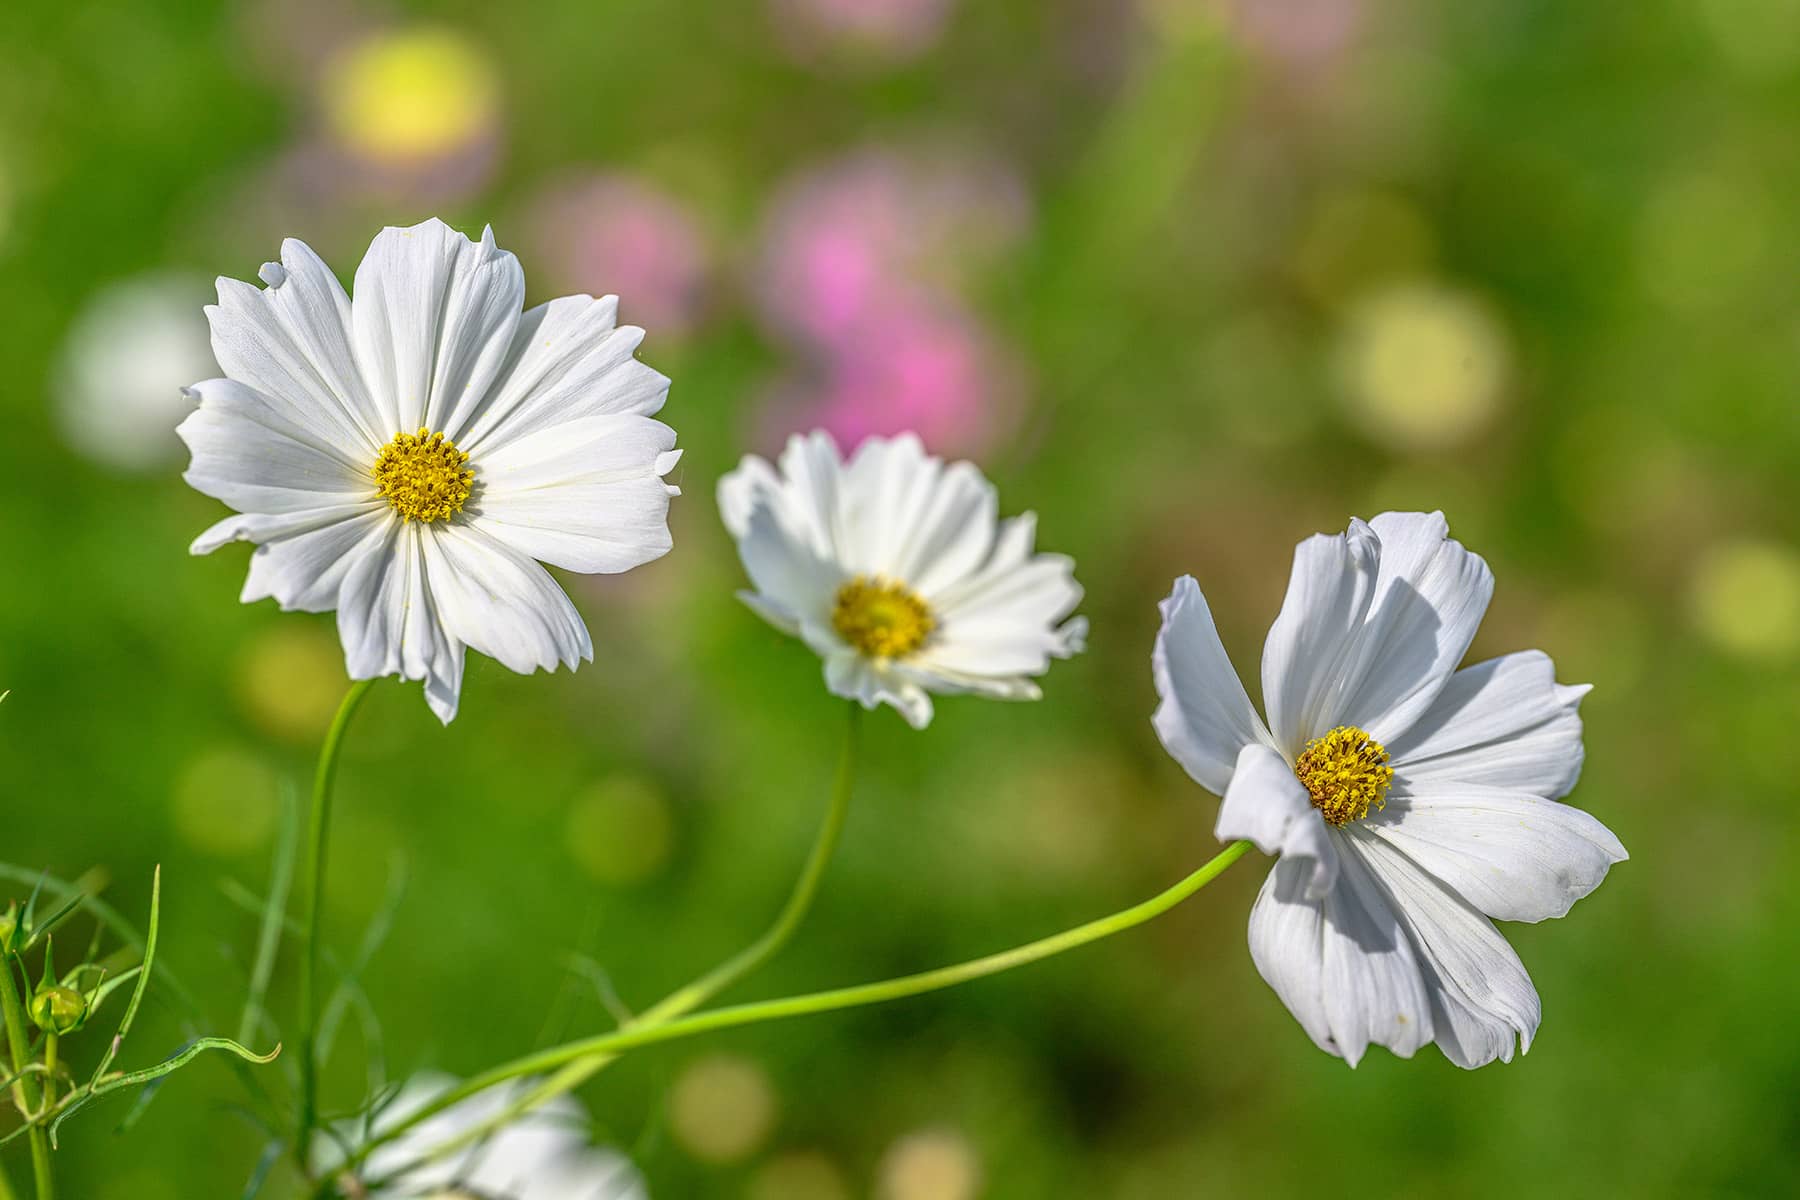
(1298, 33)
(885, 30)
(850, 238)
(918, 366)
(614, 233)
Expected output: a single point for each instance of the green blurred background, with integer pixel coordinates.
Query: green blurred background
(1192, 279)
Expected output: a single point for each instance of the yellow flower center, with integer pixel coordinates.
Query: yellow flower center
(881, 619)
(423, 476)
(1345, 772)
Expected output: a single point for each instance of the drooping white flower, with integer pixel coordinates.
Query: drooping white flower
(1409, 801)
(896, 570)
(408, 456)
(542, 1155)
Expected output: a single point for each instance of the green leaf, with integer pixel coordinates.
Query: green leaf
(168, 1066)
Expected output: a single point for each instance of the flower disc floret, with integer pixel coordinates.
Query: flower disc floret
(423, 476)
(1345, 772)
(880, 618)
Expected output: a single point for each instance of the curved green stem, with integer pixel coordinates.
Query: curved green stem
(733, 969)
(25, 1089)
(318, 824)
(632, 1036)
(792, 913)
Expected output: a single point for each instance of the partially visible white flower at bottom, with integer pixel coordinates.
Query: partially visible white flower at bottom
(1412, 804)
(542, 1155)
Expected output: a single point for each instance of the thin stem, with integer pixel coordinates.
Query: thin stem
(25, 1091)
(318, 824)
(630, 1037)
(727, 973)
(792, 913)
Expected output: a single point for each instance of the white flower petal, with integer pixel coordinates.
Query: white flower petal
(586, 495)
(589, 1175)
(433, 318)
(568, 361)
(389, 622)
(291, 341)
(1009, 625)
(1374, 991)
(1265, 803)
(1502, 723)
(265, 527)
(935, 678)
(741, 491)
(787, 573)
(854, 677)
(495, 599)
(248, 454)
(1481, 995)
(305, 570)
(1287, 944)
(910, 517)
(1512, 855)
(536, 1143)
(1327, 602)
(1430, 596)
(1205, 716)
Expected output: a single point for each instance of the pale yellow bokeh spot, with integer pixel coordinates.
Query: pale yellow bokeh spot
(1744, 597)
(290, 680)
(621, 831)
(226, 802)
(1422, 367)
(722, 1108)
(798, 1175)
(410, 95)
(933, 1164)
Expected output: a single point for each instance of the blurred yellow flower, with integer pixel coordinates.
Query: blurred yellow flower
(412, 94)
(225, 802)
(1744, 597)
(621, 831)
(934, 1164)
(290, 679)
(798, 1175)
(1422, 366)
(722, 1108)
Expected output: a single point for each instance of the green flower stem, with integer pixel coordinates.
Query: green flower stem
(6, 1187)
(727, 973)
(631, 1037)
(25, 1091)
(318, 823)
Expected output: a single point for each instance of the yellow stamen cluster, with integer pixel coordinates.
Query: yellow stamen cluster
(1345, 772)
(423, 476)
(881, 619)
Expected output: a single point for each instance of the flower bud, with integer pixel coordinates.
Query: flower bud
(58, 1009)
(9, 925)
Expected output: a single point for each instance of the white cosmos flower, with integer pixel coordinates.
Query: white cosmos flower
(407, 456)
(543, 1155)
(1409, 801)
(897, 571)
